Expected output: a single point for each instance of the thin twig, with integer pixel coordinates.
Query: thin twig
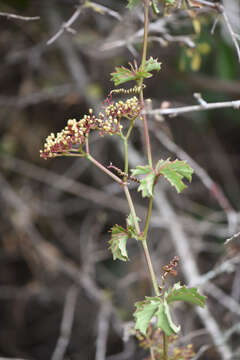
(235, 236)
(67, 323)
(103, 9)
(201, 351)
(102, 332)
(219, 7)
(185, 109)
(66, 26)
(232, 34)
(19, 17)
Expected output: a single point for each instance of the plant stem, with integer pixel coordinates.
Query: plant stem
(165, 346)
(145, 36)
(150, 267)
(125, 142)
(147, 222)
(104, 169)
(140, 83)
(149, 155)
(132, 208)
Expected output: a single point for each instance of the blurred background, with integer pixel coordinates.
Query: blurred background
(61, 294)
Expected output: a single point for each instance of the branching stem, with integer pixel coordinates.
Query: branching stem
(104, 169)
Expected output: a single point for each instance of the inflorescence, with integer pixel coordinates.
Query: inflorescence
(74, 135)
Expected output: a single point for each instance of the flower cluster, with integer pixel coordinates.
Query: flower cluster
(128, 109)
(74, 135)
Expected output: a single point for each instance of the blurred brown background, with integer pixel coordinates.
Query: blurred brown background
(61, 294)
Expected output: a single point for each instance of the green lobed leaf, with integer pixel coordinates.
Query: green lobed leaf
(147, 184)
(141, 170)
(130, 221)
(174, 172)
(145, 310)
(164, 320)
(182, 293)
(131, 227)
(132, 3)
(153, 306)
(118, 243)
(122, 75)
(152, 64)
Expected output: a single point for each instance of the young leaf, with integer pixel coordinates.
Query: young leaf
(132, 3)
(151, 65)
(183, 293)
(118, 243)
(130, 221)
(141, 170)
(131, 226)
(174, 172)
(145, 310)
(164, 320)
(122, 75)
(151, 306)
(146, 185)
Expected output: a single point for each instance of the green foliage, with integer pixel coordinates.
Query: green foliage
(123, 74)
(160, 307)
(150, 65)
(154, 306)
(145, 310)
(191, 295)
(174, 172)
(132, 3)
(131, 226)
(147, 183)
(164, 320)
(118, 243)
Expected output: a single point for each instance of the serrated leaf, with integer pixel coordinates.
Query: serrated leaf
(141, 170)
(153, 306)
(174, 172)
(118, 243)
(130, 221)
(146, 185)
(152, 64)
(182, 293)
(132, 3)
(131, 226)
(164, 320)
(122, 75)
(145, 310)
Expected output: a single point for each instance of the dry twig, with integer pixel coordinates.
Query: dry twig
(19, 17)
(67, 323)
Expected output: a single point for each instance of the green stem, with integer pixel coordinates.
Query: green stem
(165, 346)
(140, 83)
(150, 267)
(125, 142)
(147, 222)
(145, 36)
(132, 209)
